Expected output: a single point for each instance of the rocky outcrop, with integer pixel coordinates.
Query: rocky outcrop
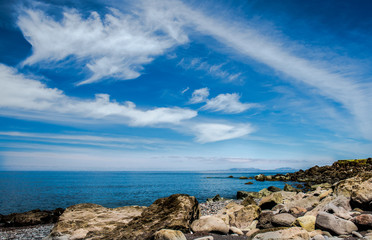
(83, 220)
(175, 212)
(339, 170)
(30, 218)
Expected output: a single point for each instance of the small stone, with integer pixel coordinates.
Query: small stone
(204, 238)
(250, 233)
(236, 230)
(167, 234)
(357, 234)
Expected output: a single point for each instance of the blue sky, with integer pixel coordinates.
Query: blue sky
(184, 85)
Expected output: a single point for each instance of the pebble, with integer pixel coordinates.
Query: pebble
(211, 208)
(33, 232)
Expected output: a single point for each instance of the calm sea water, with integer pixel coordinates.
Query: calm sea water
(24, 191)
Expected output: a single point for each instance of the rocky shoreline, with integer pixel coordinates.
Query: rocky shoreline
(324, 209)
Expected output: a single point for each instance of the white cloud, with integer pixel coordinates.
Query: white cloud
(23, 94)
(115, 46)
(199, 95)
(213, 132)
(227, 103)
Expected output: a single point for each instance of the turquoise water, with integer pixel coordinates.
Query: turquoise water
(24, 191)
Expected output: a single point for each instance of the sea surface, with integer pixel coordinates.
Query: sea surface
(24, 191)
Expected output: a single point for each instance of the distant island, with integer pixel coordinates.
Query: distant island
(283, 169)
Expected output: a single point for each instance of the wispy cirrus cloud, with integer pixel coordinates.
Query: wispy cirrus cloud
(115, 46)
(18, 92)
(213, 132)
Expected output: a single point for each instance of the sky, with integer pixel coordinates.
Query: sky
(184, 85)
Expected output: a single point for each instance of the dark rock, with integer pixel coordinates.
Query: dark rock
(244, 194)
(260, 177)
(270, 201)
(363, 221)
(30, 218)
(176, 212)
(274, 189)
(248, 183)
(230, 176)
(243, 177)
(248, 201)
(264, 220)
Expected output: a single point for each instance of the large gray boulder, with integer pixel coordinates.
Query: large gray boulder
(283, 220)
(332, 223)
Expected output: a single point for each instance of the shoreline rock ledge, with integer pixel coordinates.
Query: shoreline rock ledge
(91, 221)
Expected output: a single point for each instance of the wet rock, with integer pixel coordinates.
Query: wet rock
(230, 176)
(244, 194)
(248, 201)
(216, 198)
(243, 177)
(329, 222)
(283, 220)
(31, 218)
(274, 189)
(260, 177)
(248, 183)
(210, 224)
(167, 234)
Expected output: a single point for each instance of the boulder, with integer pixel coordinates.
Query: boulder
(362, 196)
(283, 220)
(274, 189)
(363, 221)
(248, 201)
(210, 224)
(289, 188)
(270, 201)
(175, 212)
(244, 194)
(216, 198)
(290, 233)
(307, 222)
(264, 220)
(79, 220)
(339, 226)
(264, 192)
(243, 218)
(30, 218)
(167, 234)
(260, 177)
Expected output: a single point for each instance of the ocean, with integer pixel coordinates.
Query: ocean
(24, 191)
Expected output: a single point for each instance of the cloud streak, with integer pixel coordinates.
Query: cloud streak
(25, 94)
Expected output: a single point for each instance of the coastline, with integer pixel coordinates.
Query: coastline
(270, 210)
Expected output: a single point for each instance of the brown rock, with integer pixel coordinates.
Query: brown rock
(210, 224)
(270, 201)
(167, 234)
(30, 218)
(264, 220)
(79, 220)
(297, 211)
(175, 212)
(363, 221)
(243, 218)
(290, 233)
(283, 220)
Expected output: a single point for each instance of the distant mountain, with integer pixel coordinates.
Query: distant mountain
(283, 169)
